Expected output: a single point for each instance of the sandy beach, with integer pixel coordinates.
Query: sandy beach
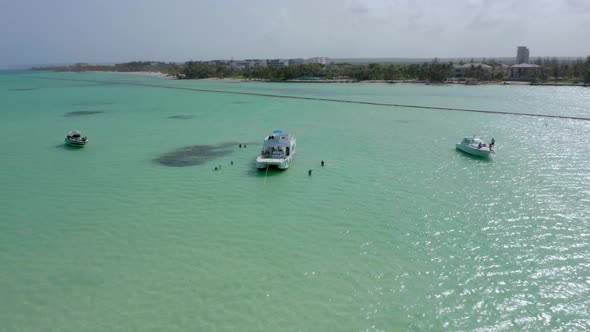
(135, 73)
(242, 80)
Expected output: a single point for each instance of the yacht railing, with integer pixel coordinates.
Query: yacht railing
(273, 155)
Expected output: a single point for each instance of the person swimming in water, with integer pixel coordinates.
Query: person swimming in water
(309, 172)
(322, 163)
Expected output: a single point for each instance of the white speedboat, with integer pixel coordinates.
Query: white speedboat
(278, 150)
(475, 146)
(74, 138)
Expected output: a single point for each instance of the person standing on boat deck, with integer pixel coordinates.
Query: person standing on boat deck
(479, 145)
(492, 143)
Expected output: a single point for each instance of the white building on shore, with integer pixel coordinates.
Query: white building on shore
(459, 71)
(223, 63)
(256, 63)
(524, 71)
(522, 55)
(238, 64)
(263, 63)
(277, 63)
(318, 60)
(296, 62)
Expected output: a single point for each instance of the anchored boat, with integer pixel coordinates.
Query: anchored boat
(475, 146)
(278, 150)
(74, 138)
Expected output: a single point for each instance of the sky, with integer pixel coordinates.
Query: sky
(36, 32)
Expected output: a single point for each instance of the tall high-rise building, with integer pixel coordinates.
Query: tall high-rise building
(522, 55)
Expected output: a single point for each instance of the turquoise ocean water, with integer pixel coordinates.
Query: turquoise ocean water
(398, 232)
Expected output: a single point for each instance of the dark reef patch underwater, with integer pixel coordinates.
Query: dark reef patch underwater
(80, 113)
(23, 89)
(195, 154)
(181, 117)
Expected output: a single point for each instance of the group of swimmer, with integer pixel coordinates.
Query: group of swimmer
(310, 170)
(218, 168)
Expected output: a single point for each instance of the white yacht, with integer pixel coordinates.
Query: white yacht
(278, 150)
(74, 138)
(475, 146)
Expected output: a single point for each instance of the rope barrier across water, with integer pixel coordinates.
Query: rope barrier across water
(267, 95)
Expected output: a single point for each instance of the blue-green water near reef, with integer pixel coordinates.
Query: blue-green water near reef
(398, 231)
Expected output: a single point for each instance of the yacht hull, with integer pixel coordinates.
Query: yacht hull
(283, 163)
(75, 143)
(483, 152)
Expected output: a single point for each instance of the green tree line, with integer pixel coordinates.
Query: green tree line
(435, 72)
(552, 70)
(556, 70)
(133, 66)
(587, 71)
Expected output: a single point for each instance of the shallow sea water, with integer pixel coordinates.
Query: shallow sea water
(398, 232)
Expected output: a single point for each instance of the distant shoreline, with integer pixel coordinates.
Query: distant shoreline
(448, 83)
(134, 73)
(340, 81)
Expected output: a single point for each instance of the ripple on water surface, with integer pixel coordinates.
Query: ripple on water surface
(397, 232)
